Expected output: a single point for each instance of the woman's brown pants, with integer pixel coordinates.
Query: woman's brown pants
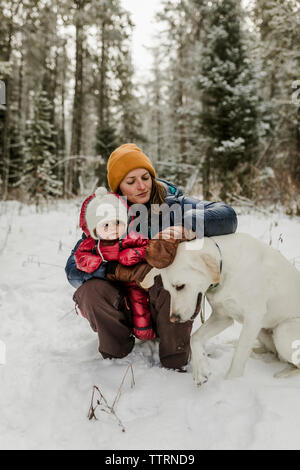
(103, 304)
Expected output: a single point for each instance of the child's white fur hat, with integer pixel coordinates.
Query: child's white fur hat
(104, 207)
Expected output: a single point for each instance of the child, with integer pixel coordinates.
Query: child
(106, 220)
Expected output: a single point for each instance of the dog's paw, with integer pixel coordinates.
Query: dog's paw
(200, 375)
(201, 380)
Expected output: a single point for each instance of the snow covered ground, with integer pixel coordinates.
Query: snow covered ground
(52, 361)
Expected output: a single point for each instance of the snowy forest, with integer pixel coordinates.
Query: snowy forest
(220, 113)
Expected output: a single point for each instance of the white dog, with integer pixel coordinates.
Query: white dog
(244, 280)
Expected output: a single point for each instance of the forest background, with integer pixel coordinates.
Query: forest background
(219, 112)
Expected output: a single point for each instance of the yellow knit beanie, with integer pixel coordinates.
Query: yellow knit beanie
(124, 159)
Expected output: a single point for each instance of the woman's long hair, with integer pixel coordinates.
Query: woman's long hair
(158, 192)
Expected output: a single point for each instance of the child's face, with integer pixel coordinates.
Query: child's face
(110, 230)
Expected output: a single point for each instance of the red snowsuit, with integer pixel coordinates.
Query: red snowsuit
(128, 251)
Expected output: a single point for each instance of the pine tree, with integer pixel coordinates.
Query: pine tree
(229, 116)
(78, 102)
(130, 115)
(175, 16)
(173, 92)
(9, 12)
(277, 23)
(117, 107)
(39, 180)
(106, 142)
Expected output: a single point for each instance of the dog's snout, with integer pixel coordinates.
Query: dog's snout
(175, 318)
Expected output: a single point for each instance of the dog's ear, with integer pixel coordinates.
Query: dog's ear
(213, 267)
(148, 280)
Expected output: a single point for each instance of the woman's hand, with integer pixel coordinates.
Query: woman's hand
(161, 250)
(176, 232)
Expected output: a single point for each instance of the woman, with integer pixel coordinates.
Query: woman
(131, 174)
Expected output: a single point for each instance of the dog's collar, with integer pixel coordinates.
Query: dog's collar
(213, 286)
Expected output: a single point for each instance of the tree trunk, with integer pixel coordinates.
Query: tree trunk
(102, 73)
(206, 176)
(182, 141)
(62, 143)
(75, 164)
(6, 129)
(158, 110)
(20, 95)
(297, 150)
(158, 124)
